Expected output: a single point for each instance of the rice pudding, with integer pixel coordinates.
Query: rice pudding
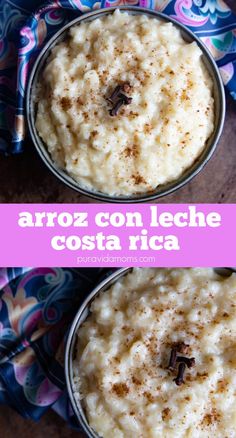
(131, 144)
(122, 371)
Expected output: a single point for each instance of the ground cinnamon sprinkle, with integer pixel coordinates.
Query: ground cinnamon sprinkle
(79, 101)
(120, 389)
(222, 385)
(211, 417)
(138, 179)
(65, 103)
(147, 128)
(136, 381)
(128, 152)
(131, 151)
(165, 414)
(149, 396)
(202, 376)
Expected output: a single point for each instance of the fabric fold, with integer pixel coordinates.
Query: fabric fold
(37, 307)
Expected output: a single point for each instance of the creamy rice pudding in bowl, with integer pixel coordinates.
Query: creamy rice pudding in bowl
(125, 104)
(151, 354)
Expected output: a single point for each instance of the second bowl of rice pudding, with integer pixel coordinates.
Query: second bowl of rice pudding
(151, 354)
(125, 104)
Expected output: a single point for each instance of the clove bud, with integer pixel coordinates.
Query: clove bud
(115, 109)
(179, 380)
(190, 362)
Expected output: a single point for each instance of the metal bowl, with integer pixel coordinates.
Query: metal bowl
(161, 190)
(80, 317)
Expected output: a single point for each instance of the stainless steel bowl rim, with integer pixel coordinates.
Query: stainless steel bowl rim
(107, 282)
(161, 190)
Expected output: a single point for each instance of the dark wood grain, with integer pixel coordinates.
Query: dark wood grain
(50, 426)
(231, 4)
(25, 178)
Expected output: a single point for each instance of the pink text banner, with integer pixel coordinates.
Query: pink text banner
(108, 235)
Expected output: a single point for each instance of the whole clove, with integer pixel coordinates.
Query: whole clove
(115, 94)
(117, 98)
(181, 347)
(126, 87)
(127, 100)
(179, 380)
(190, 362)
(115, 109)
(172, 361)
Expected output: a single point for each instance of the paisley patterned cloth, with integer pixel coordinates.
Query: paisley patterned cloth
(26, 25)
(36, 309)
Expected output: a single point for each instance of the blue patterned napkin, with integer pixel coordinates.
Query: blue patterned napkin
(37, 307)
(26, 26)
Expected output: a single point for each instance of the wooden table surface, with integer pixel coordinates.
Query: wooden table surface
(50, 426)
(25, 178)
